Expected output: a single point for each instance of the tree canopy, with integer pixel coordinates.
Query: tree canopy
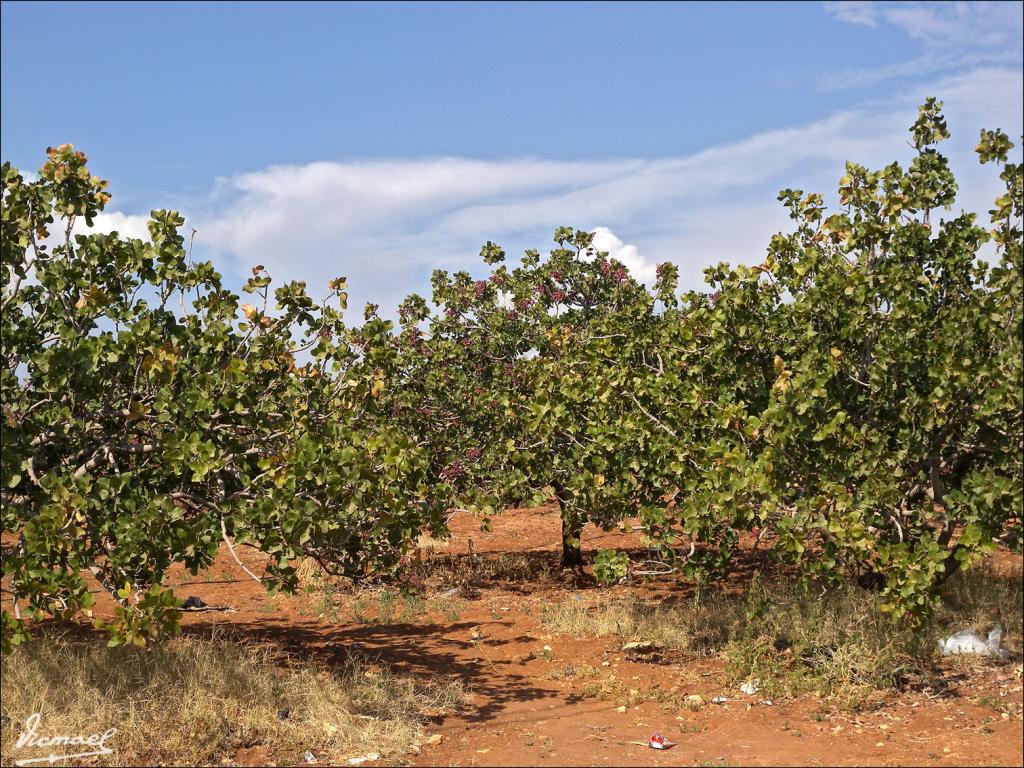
(857, 394)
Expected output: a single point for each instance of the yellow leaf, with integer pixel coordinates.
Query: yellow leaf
(137, 410)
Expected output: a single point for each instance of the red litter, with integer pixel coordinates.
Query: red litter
(657, 741)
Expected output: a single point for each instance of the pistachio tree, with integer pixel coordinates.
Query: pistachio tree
(150, 414)
(889, 426)
(543, 370)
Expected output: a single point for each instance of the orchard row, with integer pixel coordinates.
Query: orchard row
(857, 395)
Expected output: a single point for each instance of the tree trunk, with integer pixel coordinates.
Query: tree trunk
(572, 554)
(572, 530)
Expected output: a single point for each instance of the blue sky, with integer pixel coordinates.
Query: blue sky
(379, 141)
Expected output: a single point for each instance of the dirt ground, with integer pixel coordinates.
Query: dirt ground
(526, 713)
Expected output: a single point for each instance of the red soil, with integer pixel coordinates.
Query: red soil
(523, 715)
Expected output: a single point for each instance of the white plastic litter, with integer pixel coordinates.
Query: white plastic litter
(309, 757)
(751, 687)
(364, 759)
(968, 641)
(719, 700)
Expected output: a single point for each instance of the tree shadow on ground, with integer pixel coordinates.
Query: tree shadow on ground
(524, 572)
(425, 651)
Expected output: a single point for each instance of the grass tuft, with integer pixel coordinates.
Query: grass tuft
(699, 626)
(479, 570)
(197, 701)
(794, 640)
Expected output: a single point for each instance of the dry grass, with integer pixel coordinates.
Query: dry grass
(479, 570)
(313, 578)
(981, 598)
(430, 544)
(837, 644)
(308, 572)
(699, 626)
(197, 701)
(843, 645)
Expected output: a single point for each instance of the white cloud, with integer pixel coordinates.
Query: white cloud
(607, 241)
(954, 36)
(115, 221)
(385, 224)
(972, 24)
(863, 13)
(934, 61)
(106, 222)
(975, 24)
